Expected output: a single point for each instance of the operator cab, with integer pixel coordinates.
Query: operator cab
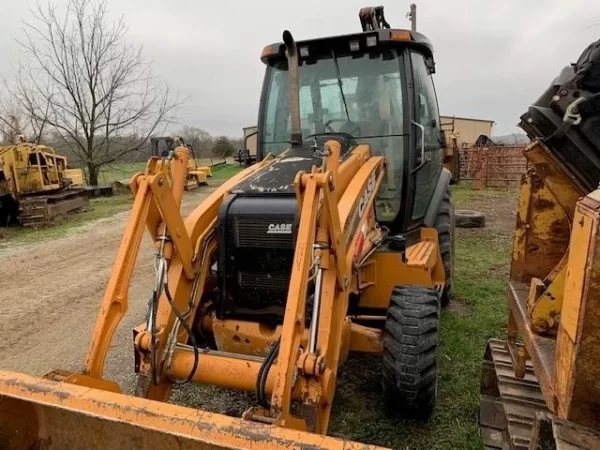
(374, 88)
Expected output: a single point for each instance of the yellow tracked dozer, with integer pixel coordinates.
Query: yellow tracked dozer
(36, 185)
(540, 388)
(339, 239)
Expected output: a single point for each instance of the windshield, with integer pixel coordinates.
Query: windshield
(365, 101)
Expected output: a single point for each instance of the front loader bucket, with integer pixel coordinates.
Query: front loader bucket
(43, 414)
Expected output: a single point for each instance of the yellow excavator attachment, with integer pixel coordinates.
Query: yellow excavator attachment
(44, 414)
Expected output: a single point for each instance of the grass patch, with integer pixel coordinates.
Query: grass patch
(465, 196)
(124, 171)
(225, 171)
(99, 208)
(482, 262)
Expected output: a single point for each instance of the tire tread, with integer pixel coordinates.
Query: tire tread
(410, 351)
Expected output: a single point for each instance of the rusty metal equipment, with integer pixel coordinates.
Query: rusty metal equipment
(333, 242)
(195, 175)
(36, 185)
(540, 388)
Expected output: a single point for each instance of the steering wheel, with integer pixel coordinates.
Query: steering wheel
(354, 131)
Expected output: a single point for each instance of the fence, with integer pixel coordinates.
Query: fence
(500, 166)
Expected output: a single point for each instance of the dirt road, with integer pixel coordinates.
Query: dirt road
(50, 293)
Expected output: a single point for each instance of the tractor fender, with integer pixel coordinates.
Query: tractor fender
(436, 199)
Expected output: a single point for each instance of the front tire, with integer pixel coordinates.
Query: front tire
(410, 346)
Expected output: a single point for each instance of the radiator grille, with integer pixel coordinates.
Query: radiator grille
(259, 238)
(252, 232)
(268, 287)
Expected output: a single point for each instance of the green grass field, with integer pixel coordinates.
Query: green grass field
(225, 171)
(124, 171)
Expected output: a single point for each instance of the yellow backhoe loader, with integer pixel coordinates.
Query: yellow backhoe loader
(540, 388)
(339, 239)
(36, 185)
(195, 175)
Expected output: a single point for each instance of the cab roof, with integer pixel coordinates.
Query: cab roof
(361, 42)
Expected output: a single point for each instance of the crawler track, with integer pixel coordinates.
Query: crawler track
(43, 210)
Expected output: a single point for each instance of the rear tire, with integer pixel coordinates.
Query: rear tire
(444, 224)
(410, 345)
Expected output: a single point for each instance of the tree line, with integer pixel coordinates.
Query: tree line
(82, 89)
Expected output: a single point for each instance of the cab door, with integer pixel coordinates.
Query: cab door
(426, 144)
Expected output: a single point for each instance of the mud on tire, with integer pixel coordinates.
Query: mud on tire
(410, 346)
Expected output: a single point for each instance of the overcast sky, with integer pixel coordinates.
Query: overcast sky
(493, 57)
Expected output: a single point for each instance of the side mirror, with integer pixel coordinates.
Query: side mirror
(430, 63)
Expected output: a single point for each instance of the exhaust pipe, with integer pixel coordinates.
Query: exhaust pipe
(292, 57)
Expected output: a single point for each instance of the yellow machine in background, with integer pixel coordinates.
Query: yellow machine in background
(195, 175)
(36, 186)
(540, 388)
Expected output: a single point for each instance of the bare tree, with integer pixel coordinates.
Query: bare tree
(15, 122)
(200, 140)
(88, 85)
(10, 126)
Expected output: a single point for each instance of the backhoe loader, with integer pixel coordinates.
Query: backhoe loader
(540, 388)
(339, 239)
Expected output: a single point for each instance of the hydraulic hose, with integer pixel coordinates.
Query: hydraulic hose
(188, 330)
(263, 374)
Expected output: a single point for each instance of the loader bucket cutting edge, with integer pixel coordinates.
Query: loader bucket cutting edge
(45, 414)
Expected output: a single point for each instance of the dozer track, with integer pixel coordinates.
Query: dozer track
(43, 210)
(513, 414)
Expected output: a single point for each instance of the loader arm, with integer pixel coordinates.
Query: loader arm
(148, 210)
(336, 202)
(326, 233)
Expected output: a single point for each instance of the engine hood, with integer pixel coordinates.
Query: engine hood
(278, 178)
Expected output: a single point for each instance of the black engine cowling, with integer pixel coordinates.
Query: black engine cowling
(258, 236)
